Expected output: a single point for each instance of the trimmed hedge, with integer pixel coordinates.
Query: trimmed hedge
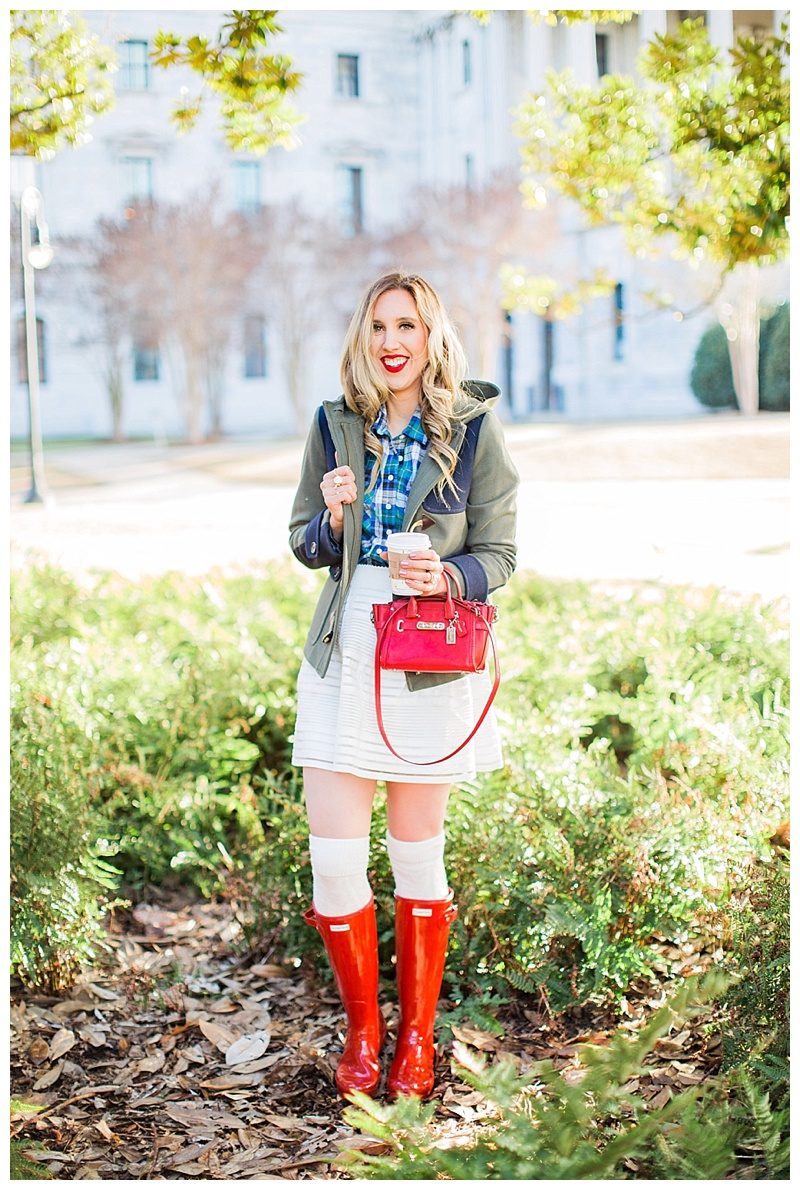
(774, 388)
(711, 377)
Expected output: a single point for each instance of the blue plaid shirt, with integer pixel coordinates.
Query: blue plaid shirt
(385, 505)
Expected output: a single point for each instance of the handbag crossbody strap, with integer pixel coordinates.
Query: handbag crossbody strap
(379, 712)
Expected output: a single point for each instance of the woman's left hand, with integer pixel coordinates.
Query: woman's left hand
(423, 571)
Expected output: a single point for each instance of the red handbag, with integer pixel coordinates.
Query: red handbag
(433, 635)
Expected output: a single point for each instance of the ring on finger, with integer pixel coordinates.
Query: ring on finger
(337, 481)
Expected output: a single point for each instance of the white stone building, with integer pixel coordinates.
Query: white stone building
(391, 99)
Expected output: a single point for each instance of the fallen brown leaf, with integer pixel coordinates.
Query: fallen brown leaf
(248, 1048)
(220, 1037)
(477, 1038)
(61, 1043)
(49, 1077)
(38, 1051)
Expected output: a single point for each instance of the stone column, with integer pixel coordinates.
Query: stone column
(719, 23)
(538, 53)
(650, 22)
(582, 54)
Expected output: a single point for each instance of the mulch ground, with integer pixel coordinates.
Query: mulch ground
(171, 1057)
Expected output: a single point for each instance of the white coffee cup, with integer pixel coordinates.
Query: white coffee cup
(398, 547)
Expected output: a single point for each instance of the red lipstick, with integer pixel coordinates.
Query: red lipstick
(396, 367)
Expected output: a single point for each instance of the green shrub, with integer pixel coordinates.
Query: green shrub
(570, 862)
(60, 880)
(711, 378)
(774, 386)
(544, 1125)
(757, 1032)
(186, 695)
(637, 731)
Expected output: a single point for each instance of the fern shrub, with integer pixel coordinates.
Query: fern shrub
(757, 1029)
(543, 1125)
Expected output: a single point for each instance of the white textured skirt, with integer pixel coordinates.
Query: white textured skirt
(337, 728)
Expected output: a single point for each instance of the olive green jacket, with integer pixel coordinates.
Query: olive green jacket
(474, 533)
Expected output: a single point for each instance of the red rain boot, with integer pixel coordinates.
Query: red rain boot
(421, 931)
(351, 943)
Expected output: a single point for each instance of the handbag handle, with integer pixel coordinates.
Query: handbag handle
(449, 606)
(379, 712)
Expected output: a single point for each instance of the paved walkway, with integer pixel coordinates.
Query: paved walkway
(701, 501)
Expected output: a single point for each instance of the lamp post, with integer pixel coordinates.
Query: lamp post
(34, 256)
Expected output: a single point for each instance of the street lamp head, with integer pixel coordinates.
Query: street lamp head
(40, 255)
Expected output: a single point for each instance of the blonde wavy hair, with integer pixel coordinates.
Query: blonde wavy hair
(445, 370)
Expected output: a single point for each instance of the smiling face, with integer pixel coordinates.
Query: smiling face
(398, 343)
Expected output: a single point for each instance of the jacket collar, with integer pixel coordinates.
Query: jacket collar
(350, 428)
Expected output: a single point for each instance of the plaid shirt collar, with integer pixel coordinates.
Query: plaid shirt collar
(413, 430)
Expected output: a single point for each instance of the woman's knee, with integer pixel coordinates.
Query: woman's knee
(416, 812)
(339, 805)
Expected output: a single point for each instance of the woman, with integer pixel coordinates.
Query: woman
(410, 445)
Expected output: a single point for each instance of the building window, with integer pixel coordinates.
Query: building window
(247, 185)
(255, 346)
(552, 392)
(601, 53)
(350, 193)
(22, 351)
(619, 319)
(347, 75)
(134, 66)
(146, 361)
(469, 171)
(137, 179)
(466, 60)
(507, 348)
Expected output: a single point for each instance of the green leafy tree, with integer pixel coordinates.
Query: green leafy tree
(567, 16)
(252, 84)
(60, 80)
(696, 150)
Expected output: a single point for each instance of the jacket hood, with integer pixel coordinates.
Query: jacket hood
(481, 395)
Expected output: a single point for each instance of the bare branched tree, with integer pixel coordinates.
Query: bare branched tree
(179, 271)
(306, 281)
(460, 238)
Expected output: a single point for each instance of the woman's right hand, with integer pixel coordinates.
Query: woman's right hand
(335, 494)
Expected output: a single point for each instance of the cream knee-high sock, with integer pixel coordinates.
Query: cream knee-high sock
(418, 867)
(339, 868)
